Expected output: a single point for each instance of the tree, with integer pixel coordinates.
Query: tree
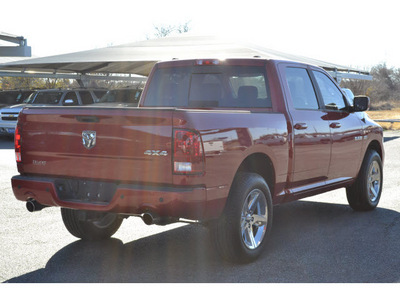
(12, 83)
(357, 86)
(165, 30)
(15, 83)
(182, 28)
(384, 87)
(385, 84)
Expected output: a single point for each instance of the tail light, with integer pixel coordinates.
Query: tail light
(188, 152)
(17, 144)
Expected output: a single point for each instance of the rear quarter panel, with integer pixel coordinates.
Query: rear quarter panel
(229, 137)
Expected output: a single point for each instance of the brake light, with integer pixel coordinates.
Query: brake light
(207, 62)
(188, 152)
(17, 144)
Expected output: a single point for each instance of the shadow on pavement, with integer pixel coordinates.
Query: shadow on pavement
(310, 242)
(391, 138)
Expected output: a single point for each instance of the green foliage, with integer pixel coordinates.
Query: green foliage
(13, 83)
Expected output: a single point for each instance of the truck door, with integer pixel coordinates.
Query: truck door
(312, 137)
(346, 129)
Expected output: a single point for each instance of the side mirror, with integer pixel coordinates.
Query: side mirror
(68, 102)
(361, 103)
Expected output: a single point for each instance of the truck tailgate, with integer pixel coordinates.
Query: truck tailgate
(130, 145)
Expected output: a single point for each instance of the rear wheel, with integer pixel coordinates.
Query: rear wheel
(365, 193)
(89, 225)
(240, 234)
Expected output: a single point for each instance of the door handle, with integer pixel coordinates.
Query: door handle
(300, 126)
(335, 125)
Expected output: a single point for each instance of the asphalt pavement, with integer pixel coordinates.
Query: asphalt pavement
(316, 240)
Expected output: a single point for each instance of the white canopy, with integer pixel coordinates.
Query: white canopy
(139, 57)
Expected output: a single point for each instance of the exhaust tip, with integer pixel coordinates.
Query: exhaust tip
(32, 205)
(147, 219)
(151, 218)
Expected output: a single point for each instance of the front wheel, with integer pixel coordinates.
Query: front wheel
(365, 193)
(88, 225)
(241, 232)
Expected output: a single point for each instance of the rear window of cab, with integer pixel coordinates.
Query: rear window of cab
(209, 86)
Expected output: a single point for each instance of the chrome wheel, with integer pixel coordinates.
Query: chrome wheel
(254, 219)
(365, 192)
(241, 233)
(374, 181)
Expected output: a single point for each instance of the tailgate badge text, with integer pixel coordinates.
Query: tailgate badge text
(155, 153)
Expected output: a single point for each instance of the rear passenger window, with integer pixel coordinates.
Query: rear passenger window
(169, 88)
(301, 89)
(209, 86)
(205, 90)
(332, 97)
(250, 89)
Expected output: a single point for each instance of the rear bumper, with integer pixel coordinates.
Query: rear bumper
(179, 202)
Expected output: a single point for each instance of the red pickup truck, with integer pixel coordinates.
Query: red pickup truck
(213, 141)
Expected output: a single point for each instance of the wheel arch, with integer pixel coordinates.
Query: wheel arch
(262, 165)
(375, 145)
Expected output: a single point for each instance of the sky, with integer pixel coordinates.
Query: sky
(355, 33)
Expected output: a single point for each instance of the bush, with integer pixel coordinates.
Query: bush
(381, 106)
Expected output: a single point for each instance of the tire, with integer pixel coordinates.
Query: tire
(90, 225)
(365, 193)
(241, 232)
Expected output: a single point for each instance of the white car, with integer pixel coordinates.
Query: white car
(9, 116)
(349, 94)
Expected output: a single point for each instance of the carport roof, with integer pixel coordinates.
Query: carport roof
(139, 57)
